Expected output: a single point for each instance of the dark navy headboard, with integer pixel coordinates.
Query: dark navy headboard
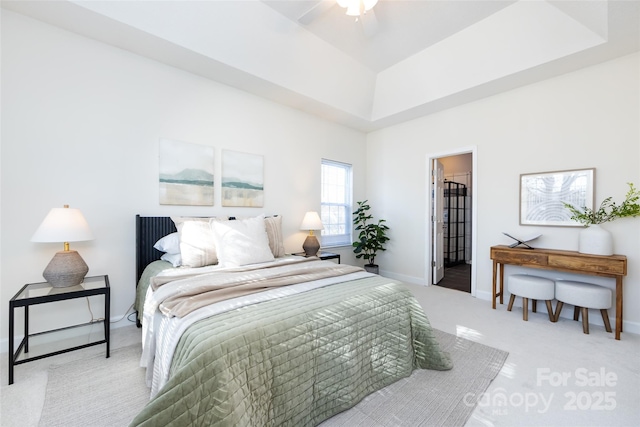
(149, 229)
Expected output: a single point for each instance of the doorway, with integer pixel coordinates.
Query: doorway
(452, 209)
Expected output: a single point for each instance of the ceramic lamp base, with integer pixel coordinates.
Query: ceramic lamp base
(311, 246)
(66, 268)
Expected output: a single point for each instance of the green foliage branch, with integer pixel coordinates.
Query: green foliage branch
(608, 210)
(371, 237)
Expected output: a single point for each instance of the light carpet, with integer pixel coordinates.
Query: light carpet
(110, 392)
(430, 398)
(96, 391)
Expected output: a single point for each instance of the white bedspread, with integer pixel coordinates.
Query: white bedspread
(160, 334)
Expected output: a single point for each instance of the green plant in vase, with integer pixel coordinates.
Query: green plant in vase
(608, 210)
(593, 239)
(371, 237)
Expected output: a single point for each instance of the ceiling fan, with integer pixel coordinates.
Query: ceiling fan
(362, 10)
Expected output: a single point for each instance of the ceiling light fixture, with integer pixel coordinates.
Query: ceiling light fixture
(357, 8)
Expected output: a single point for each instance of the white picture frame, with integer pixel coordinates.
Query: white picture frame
(542, 196)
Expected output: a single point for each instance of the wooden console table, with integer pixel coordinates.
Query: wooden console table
(614, 266)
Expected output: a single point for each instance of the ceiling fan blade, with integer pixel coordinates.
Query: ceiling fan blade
(315, 11)
(369, 23)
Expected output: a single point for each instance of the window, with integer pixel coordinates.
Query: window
(336, 203)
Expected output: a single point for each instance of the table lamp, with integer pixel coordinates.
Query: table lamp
(67, 268)
(311, 222)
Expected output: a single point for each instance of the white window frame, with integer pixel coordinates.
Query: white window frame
(331, 237)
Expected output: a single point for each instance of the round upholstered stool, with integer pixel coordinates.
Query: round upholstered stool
(531, 287)
(583, 296)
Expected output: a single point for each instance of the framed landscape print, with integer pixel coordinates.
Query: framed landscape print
(185, 173)
(242, 179)
(542, 196)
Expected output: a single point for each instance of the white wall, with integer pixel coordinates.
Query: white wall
(81, 122)
(588, 118)
(80, 126)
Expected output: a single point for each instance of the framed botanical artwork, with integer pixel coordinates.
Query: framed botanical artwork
(185, 173)
(542, 196)
(242, 179)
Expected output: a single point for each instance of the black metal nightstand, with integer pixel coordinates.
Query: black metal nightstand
(35, 346)
(322, 255)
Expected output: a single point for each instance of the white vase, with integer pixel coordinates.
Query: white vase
(595, 240)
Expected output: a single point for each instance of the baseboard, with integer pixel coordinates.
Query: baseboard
(484, 295)
(631, 327)
(116, 322)
(403, 278)
(567, 313)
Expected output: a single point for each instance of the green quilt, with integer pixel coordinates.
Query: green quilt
(295, 361)
(150, 271)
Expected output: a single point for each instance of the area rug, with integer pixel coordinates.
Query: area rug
(430, 398)
(110, 392)
(96, 391)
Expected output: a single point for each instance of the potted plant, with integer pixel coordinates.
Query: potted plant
(594, 239)
(371, 237)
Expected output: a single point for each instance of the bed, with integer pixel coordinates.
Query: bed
(284, 341)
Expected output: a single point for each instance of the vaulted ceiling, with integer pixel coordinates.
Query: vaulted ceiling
(403, 59)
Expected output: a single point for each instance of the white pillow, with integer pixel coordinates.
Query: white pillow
(197, 245)
(169, 244)
(174, 259)
(273, 225)
(242, 242)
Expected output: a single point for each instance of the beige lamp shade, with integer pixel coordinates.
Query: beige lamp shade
(64, 225)
(311, 222)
